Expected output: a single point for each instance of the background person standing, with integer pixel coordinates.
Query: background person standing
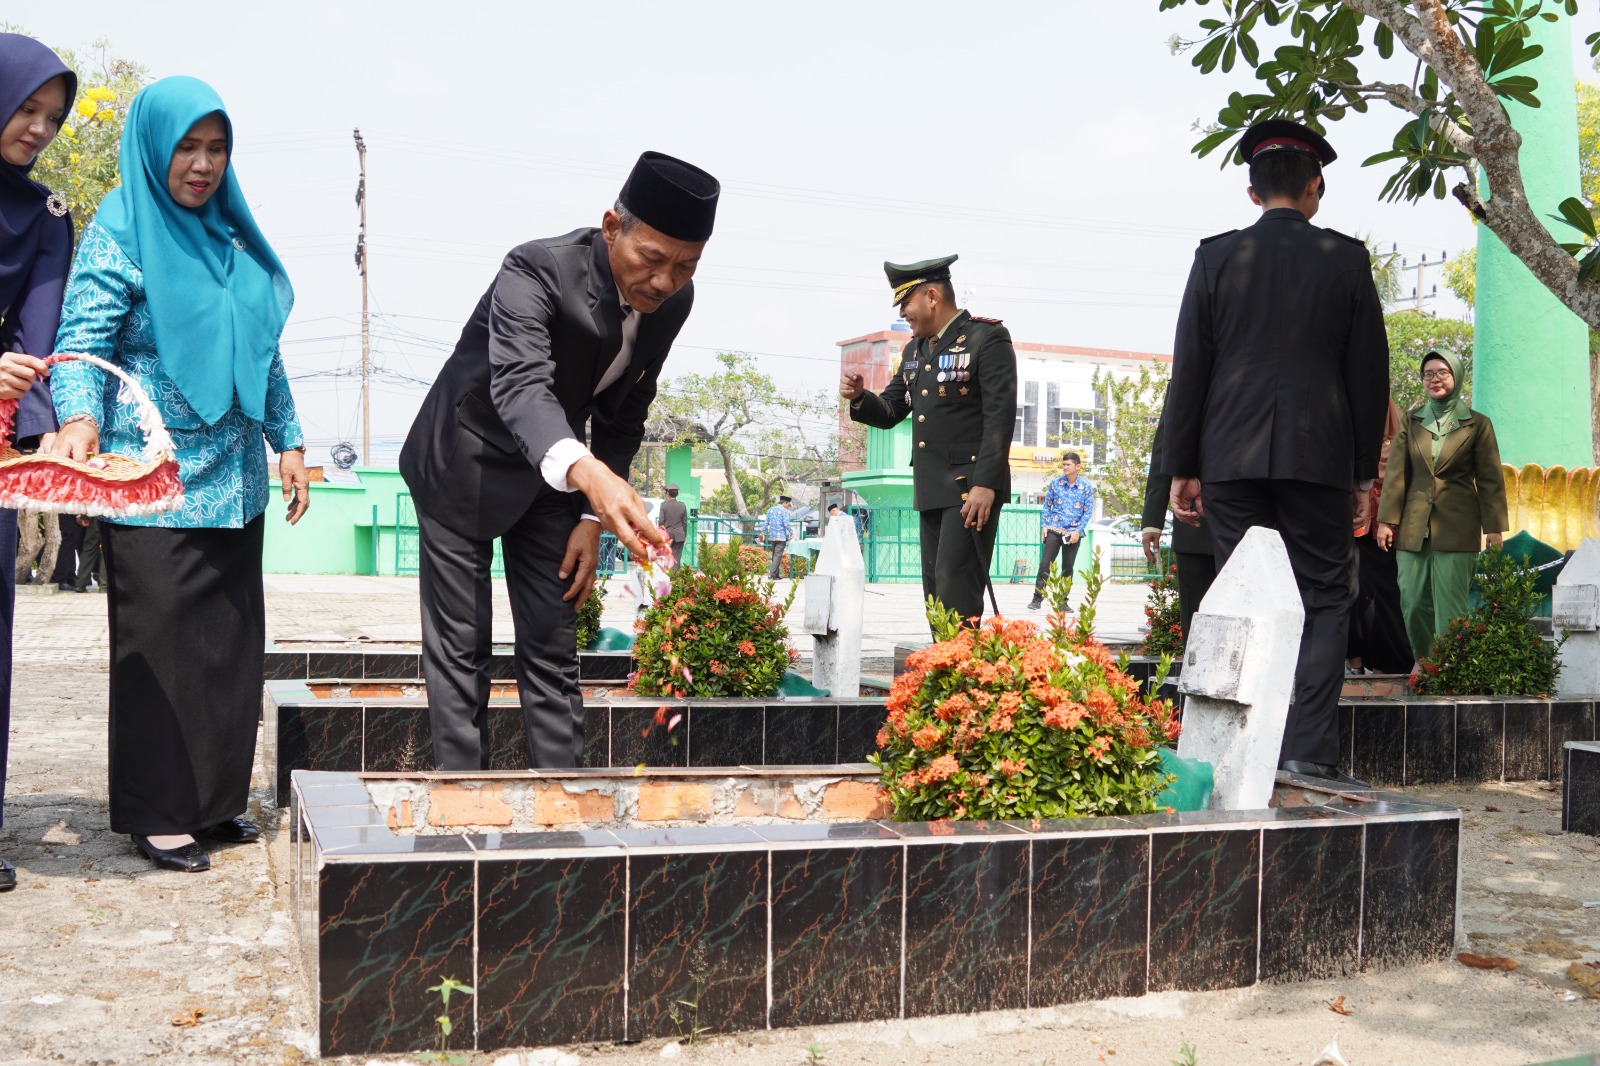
(1192, 550)
(674, 518)
(1068, 506)
(776, 528)
(1280, 377)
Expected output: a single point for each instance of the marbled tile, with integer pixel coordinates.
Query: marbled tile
(638, 738)
(604, 665)
(398, 739)
(836, 935)
(502, 667)
(966, 946)
(1346, 719)
(697, 934)
(1310, 902)
(596, 735)
(1409, 912)
(1378, 742)
(1580, 789)
(334, 665)
(725, 734)
(1569, 720)
(1090, 908)
(508, 742)
(550, 951)
(1430, 742)
(317, 736)
(858, 729)
(388, 931)
(1527, 740)
(391, 666)
(800, 732)
(1480, 740)
(1203, 898)
(285, 666)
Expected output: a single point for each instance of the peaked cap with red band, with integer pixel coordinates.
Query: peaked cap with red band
(1281, 135)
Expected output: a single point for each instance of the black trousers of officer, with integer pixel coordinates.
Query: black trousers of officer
(457, 626)
(1054, 544)
(1196, 572)
(1314, 521)
(952, 570)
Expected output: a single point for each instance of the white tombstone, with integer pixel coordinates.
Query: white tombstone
(1575, 607)
(1238, 671)
(835, 594)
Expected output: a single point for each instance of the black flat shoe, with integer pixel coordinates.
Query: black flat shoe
(1322, 772)
(191, 858)
(8, 876)
(233, 831)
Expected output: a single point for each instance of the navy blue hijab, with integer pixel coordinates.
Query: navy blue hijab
(25, 65)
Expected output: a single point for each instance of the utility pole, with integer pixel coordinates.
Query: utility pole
(361, 265)
(1420, 294)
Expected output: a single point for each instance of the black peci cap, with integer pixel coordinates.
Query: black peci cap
(1281, 135)
(667, 194)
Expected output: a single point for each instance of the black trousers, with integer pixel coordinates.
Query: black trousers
(91, 557)
(66, 571)
(953, 571)
(1377, 628)
(1314, 521)
(1054, 543)
(8, 604)
(1196, 572)
(457, 631)
(188, 623)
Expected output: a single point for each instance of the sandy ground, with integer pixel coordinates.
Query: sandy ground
(109, 961)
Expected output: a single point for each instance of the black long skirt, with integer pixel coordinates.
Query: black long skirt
(188, 632)
(1377, 628)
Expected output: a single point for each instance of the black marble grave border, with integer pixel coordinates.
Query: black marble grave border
(1421, 740)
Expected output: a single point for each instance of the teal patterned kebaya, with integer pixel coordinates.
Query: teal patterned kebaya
(223, 466)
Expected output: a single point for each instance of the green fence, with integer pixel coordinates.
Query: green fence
(891, 544)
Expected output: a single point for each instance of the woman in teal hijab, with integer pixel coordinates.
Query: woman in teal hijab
(175, 283)
(1445, 493)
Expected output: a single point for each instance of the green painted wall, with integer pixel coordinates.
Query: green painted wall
(337, 535)
(886, 481)
(680, 461)
(1531, 354)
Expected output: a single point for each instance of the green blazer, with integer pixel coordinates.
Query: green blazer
(1451, 505)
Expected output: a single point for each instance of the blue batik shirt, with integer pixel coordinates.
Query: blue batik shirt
(223, 466)
(1067, 506)
(776, 525)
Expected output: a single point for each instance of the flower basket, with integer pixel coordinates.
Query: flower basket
(108, 486)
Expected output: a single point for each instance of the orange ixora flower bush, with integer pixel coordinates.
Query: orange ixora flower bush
(1163, 636)
(715, 632)
(1010, 721)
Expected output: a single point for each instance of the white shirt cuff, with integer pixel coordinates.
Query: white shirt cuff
(558, 460)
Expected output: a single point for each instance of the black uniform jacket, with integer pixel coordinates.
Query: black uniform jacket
(522, 377)
(962, 427)
(1190, 540)
(1280, 368)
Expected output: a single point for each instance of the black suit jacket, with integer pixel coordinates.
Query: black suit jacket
(522, 377)
(1280, 368)
(1190, 540)
(963, 427)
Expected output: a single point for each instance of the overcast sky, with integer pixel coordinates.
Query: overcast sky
(1046, 142)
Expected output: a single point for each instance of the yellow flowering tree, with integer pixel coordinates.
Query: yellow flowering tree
(81, 163)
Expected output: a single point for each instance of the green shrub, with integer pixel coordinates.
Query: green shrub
(1165, 636)
(589, 612)
(1492, 650)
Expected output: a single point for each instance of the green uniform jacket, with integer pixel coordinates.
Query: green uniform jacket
(962, 428)
(1451, 505)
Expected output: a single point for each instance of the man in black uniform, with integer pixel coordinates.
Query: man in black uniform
(1192, 551)
(1280, 378)
(567, 344)
(958, 380)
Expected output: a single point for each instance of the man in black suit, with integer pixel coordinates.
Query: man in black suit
(1192, 551)
(1280, 378)
(570, 336)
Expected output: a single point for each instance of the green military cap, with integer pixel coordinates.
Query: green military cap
(905, 277)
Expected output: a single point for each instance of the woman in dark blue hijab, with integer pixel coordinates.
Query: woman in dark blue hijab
(36, 94)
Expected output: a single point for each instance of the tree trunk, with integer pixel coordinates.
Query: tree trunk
(739, 506)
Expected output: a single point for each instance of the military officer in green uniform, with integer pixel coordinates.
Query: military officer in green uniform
(957, 381)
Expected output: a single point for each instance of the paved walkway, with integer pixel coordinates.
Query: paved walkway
(106, 960)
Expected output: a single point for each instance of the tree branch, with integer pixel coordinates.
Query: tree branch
(1406, 99)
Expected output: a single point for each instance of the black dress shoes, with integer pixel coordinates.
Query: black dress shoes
(8, 876)
(191, 858)
(233, 831)
(1322, 772)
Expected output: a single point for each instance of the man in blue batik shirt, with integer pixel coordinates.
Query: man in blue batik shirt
(1068, 506)
(775, 533)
